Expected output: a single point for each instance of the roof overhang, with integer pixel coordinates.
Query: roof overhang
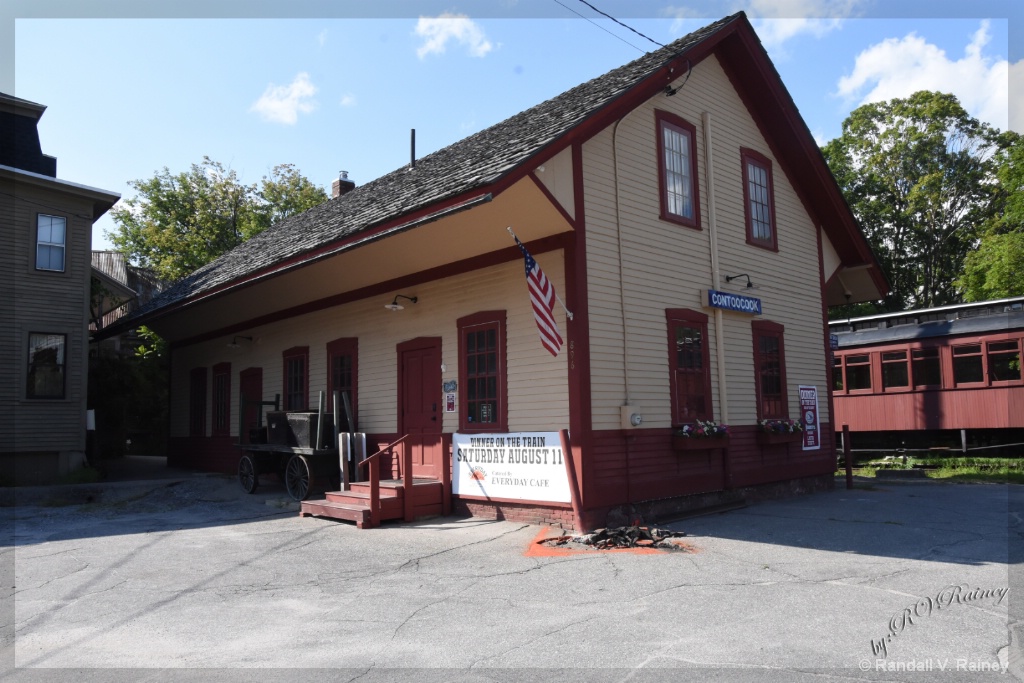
(102, 200)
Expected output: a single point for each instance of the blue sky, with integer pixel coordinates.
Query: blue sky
(133, 86)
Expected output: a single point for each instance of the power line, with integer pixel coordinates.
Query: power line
(599, 26)
(621, 24)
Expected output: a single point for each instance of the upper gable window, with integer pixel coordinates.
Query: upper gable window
(759, 200)
(677, 170)
(50, 240)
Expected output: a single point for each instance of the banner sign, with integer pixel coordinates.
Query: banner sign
(732, 302)
(516, 466)
(809, 415)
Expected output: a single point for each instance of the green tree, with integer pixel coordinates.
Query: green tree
(177, 223)
(920, 176)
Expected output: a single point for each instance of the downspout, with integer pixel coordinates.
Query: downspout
(723, 394)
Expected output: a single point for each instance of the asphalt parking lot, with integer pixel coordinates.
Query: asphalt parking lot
(197, 581)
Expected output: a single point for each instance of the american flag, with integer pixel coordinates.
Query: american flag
(542, 296)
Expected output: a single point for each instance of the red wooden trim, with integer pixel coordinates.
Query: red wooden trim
(494, 258)
(770, 329)
(748, 156)
(218, 370)
(551, 198)
(578, 334)
(574, 485)
(687, 316)
(664, 119)
(286, 355)
(343, 346)
(484, 319)
(830, 399)
(414, 345)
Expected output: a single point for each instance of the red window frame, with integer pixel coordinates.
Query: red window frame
(920, 356)
(476, 323)
(197, 402)
(969, 350)
(988, 362)
(288, 357)
(345, 347)
(888, 359)
(750, 157)
(222, 399)
(683, 378)
(667, 121)
(765, 329)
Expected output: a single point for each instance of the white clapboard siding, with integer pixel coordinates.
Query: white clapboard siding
(537, 382)
(665, 265)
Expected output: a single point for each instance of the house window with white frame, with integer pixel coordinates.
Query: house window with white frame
(51, 235)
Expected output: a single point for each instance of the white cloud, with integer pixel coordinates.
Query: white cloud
(348, 100)
(778, 21)
(321, 37)
(899, 67)
(1016, 103)
(438, 31)
(283, 103)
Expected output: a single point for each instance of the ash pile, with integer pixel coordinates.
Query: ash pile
(622, 537)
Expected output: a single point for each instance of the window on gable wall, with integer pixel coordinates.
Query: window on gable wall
(689, 364)
(677, 169)
(222, 399)
(770, 370)
(50, 240)
(296, 378)
(482, 373)
(758, 199)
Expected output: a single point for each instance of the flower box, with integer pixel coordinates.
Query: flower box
(691, 443)
(769, 438)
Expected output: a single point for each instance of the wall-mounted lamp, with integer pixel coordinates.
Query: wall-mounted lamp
(233, 344)
(730, 278)
(395, 306)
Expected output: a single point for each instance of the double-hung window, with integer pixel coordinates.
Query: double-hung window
(197, 402)
(47, 354)
(758, 199)
(222, 399)
(342, 371)
(51, 235)
(677, 170)
(689, 365)
(770, 370)
(482, 373)
(296, 378)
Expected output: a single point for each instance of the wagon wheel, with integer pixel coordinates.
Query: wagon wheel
(298, 477)
(247, 475)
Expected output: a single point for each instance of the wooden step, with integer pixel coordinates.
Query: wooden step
(360, 514)
(390, 506)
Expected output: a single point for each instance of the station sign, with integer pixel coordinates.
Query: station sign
(713, 298)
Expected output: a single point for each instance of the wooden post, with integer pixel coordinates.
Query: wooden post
(321, 412)
(374, 492)
(847, 456)
(574, 488)
(407, 480)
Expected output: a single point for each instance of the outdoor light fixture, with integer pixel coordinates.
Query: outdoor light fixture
(730, 278)
(233, 344)
(395, 306)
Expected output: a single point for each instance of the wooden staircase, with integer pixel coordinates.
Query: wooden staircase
(425, 498)
(374, 500)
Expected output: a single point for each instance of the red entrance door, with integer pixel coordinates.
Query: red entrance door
(419, 404)
(250, 388)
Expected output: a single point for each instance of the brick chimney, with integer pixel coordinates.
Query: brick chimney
(342, 185)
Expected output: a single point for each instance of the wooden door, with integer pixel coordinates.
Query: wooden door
(250, 389)
(419, 404)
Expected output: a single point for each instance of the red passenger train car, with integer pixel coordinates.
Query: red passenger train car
(947, 377)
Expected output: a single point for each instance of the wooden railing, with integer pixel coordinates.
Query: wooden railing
(374, 464)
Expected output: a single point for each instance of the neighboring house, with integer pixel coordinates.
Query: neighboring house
(947, 377)
(47, 223)
(687, 170)
(118, 289)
